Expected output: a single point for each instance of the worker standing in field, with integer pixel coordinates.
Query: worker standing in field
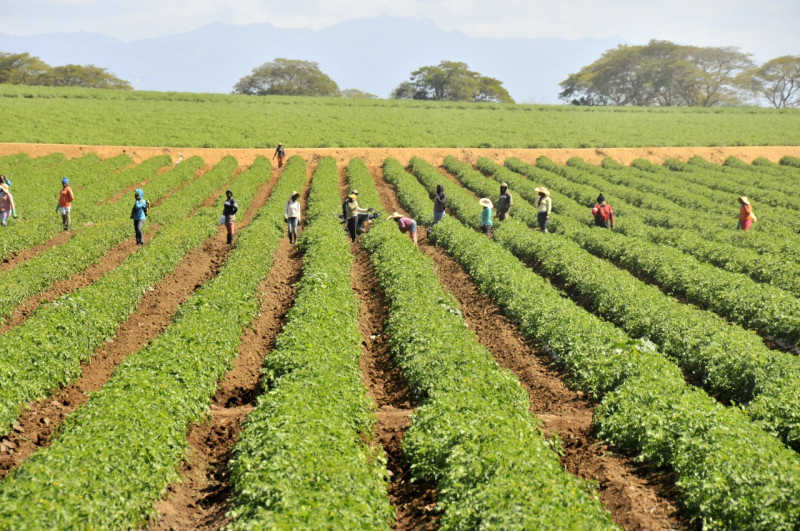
(351, 210)
(280, 153)
(406, 225)
(229, 210)
(439, 202)
(291, 213)
(746, 216)
(139, 214)
(486, 215)
(65, 199)
(544, 206)
(504, 202)
(603, 213)
(7, 206)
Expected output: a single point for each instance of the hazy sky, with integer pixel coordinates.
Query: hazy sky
(765, 28)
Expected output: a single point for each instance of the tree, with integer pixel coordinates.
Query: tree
(451, 81)
(660, 74)
(21, 68)
(88, 76)
(288, 77)
(358, 94)
(778, 81)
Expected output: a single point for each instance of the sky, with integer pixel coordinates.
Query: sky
(764, 28)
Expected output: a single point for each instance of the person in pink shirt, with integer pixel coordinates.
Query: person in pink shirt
(7, 206)
(406, 225)
(746, 216)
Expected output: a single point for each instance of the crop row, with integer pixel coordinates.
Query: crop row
(46, 350)
(731, 473)
(654, 209)
(730, 361)
(116, 455)
(473, 434)
(87, 246)
(771, 311)
(305, 458)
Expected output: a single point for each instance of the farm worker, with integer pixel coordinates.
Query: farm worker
(544, 205)
(486, 215)
(504, 202)
(65, 200)
(351, 210)
(7, 206)
(439, 200)
(280, 153)
(746, 216)
(179, 159)
(406, 224)
(229, 209)
(603, 214)
(139, 214)
(291, 213)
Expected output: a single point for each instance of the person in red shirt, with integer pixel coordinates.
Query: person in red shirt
(65, 200)
(406, 224)
(746, 216)
(603, 213)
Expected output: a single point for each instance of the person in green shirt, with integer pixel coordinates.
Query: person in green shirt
(486, 215)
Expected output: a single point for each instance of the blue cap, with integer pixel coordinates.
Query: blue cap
(64, 181)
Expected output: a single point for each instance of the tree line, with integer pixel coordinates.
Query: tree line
(25, 69)
(664, 74)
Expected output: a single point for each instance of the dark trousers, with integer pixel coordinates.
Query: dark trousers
(542, 217)
(352, 224)
(138, 224)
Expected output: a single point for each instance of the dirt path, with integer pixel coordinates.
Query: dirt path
(154, 313)
(376, 156)
(637, 498)
(414, 502)
(202, 497)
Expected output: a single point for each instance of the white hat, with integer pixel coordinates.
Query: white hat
(485, 202)
(542, 189)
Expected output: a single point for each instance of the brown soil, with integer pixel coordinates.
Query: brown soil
(375, 156)
(637, 498)
(202, 497)
(414, 501)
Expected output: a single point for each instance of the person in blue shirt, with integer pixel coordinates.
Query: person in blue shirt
(139, 214)
(486, 215)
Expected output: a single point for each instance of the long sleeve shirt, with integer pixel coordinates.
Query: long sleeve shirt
(545, 204)
(292, 210)
(486, 216)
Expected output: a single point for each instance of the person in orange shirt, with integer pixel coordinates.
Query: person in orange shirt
(746, 216)
(65, 199)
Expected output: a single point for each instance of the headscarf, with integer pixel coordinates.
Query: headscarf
(601, 198)
(65, 181)
(140, 193)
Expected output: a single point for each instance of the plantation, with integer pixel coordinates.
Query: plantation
(645, 377)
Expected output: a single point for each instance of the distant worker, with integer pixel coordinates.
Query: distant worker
(179, 159)
(504, 202)
(280, 153)
(139, 215)
(229, 210)
(291, 213)
(351, 210)
(544, 205)
(746, 216)
(7, 207)
(439, 203)
(486, 215)
(406, 225)
(603, 214)
(65, 199)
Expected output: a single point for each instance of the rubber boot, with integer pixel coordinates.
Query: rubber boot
(230, 239)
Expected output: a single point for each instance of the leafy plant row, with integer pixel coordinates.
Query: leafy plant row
(303, 460)
(676, 187)
(771, 311)
(116, 455)
(731, 474)
(45, 352)
(631, 221)
(731, 362)
(654, 209)
(86, 247)
(473, 434)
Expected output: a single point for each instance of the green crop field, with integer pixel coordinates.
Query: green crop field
(105, 117)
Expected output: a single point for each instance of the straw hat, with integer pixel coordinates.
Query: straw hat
(4, 187)
(485, 202)
(353, 196)
(542, 189)
(396, 215)
(744, 200)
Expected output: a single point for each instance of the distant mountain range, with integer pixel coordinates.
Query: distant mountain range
(373, 55)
